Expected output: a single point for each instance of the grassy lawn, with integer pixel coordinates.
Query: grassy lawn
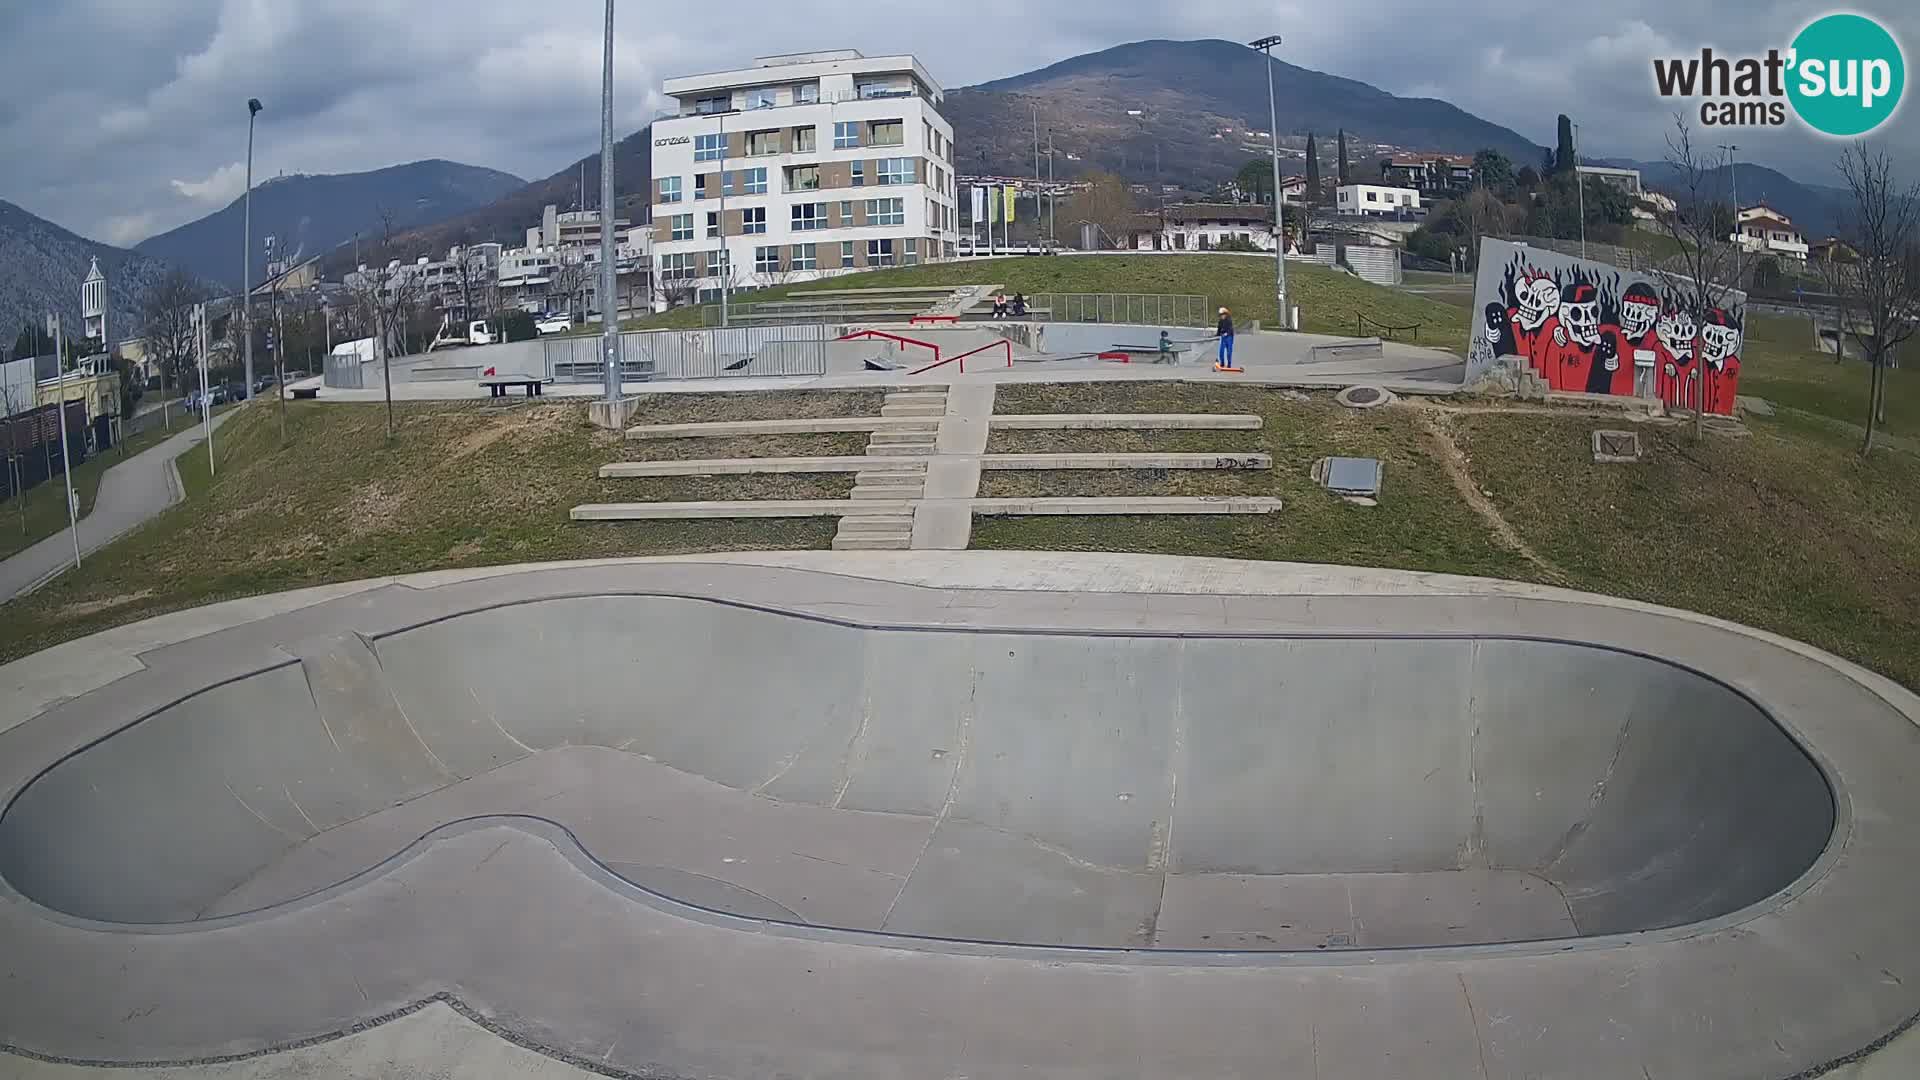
(1789, 529)
(1778, 363)
(1420, 525)
(47, 504)
(1329, 301)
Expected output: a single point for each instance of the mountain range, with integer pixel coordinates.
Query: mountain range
(1121, 109)
(1815, 208)
(42, 265)
(309, 215)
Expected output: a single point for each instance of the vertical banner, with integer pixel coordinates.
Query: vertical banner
(1007, 214)
(979, 205)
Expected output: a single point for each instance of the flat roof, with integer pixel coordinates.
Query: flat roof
(798, 67)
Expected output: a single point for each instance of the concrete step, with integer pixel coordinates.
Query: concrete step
(1230, 460)
(820, 425)
(910, 397)
(900, 438)
(1128, 506)
(744, 466)
(749, 508)
(876, 523)
(887, 494)
(880, 478)
(892, 542)
(1126, 422)
(924, 449)
(913, 410)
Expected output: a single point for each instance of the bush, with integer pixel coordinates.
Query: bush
(517, 325)
(1429, 244)
(1766, 273)
(1236, 243)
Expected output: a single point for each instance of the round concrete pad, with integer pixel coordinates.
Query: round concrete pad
(1364, 397)
(1386, 818)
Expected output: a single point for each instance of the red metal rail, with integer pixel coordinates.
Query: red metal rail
(918, 319)
(893, 337)
(962, 358)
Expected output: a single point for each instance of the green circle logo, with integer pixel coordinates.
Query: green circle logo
(1847, 75)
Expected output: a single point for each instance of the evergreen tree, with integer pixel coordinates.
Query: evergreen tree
(1344, 178)
(1564, 158)
(1313, 172)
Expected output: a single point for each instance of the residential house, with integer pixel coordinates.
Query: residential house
(1765, 230)
(1375, 200)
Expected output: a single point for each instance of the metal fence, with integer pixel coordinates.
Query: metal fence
(1154, 309)
(714, 353)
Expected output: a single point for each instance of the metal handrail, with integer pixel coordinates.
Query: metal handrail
(870, 333)
(962, 358)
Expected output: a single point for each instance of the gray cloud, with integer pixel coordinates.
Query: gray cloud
(124, 149)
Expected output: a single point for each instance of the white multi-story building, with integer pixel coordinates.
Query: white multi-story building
(1769, 231)
(1374, 199)
(804, 166)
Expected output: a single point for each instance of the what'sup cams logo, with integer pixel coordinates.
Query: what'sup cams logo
(1843, 75)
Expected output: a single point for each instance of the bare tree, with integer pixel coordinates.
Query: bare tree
(569, 278)
(1693, 276)
(1878, 296)
(677, 291)
(477, 283)
(1107, 203)
(387, 293)
(11, 401)
(166, 321)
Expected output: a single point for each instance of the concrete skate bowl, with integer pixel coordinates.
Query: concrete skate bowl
(1032, 788)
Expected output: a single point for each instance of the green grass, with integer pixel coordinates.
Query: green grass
(47, 504)
(1788, 529)
(1778, 363)
(1421, 525)
(1329, 301)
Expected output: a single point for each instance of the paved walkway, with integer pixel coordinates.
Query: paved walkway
(131, 493)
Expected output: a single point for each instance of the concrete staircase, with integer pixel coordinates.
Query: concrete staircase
(890, 484)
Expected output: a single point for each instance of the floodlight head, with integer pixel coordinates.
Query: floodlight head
(1265, 43)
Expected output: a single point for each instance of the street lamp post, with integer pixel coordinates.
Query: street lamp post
(246, 250)
(1265, 45)
(609, 305)
(1733, 177)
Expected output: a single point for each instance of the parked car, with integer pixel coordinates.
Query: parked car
(263, 382)
(553, 324)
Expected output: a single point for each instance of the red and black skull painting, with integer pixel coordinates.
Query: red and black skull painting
(1592, 328)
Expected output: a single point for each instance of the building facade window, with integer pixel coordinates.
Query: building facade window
(889, 133)
(718, 261)
(713, 224)
(910, 255)
(886, 212)
(897, 170)
(682, 226)
(804, 139)
(766, 260)
(805, 257)
(859, 174)
(803, 178)
(708, 147)
(808, 217)
(880, 252)
(753, 219)
(846, 253)
(807, 93)
(700, 185)
(765, 97)
(709, 105)
(846, 213)
(669, 189)
(846, 135)
(677, 267)
(754, 181)
(762, 143)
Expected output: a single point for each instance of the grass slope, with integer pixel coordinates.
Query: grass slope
(47, 505)
(1329, 300)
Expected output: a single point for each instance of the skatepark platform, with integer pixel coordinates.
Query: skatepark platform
(970, 814)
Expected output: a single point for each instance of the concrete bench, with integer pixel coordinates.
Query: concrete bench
(305, 393)
(498, 385)
(1356, 349)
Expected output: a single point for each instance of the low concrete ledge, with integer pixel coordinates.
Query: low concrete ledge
(741, 466)
(1352, 349)
(1127, 506)
(750, 508)
(612, 415)
(819, 425)
(1126, 461)
(1126, 421)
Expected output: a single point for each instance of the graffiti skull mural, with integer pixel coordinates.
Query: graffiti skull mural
(1585, 326)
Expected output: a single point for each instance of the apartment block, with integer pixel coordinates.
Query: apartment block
(801, 167)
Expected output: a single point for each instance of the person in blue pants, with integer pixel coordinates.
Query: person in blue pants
(1225, 330)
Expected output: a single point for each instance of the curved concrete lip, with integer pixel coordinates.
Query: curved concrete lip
(511, 915)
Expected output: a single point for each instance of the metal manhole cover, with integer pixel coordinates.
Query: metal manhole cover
(1614, 447)
(1364, 395)
(1352, 476)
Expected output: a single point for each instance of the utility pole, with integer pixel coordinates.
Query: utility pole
(1733, 177)
(1265, 45)
(279, 368)
(725, 285)
(609, 304)
(66, 460)
(1036, 169)
(246, 249)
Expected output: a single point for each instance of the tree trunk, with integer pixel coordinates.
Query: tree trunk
(1873, 401)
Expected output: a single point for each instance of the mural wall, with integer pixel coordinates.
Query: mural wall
(1592, 327)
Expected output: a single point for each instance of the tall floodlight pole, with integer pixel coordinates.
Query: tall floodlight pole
(1036, 170)
(723, 271)
(1265, 45)
(1733, 176)
(609, 309)
(246, 248)
(66, 460)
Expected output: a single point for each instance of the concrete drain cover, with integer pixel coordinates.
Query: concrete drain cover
(1616, 447)
(1363, 397)
(1357, 479)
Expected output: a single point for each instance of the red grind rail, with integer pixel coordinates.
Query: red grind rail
(918, 319)
(962, 358)
(895, 337)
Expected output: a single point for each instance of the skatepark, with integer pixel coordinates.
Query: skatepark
(960, 813)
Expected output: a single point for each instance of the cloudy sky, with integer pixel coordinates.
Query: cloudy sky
(153, 132)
